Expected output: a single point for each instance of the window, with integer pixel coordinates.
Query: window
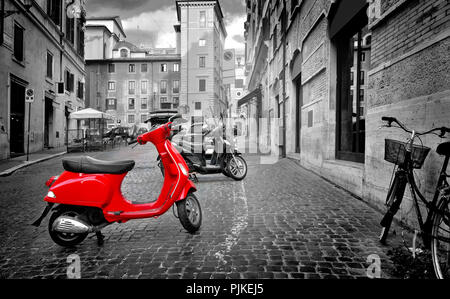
(294, 4)
(49, 72)
(144, 87)
(111, 68)
(54, 11)
(351, 125)
(111, 104)
(163, 100)
(70, 30)
(80, 90)
(176, 67)
(131, 119)
(202, 19)
(80, 35)
(363, 56)
(369, 40)
(202, 42)
(69, 81)
(144, 103)
(275, 39)
(163, 67)
(166, 106)
(202, 85)
(198, 105)
(176, 86)
(144, 118)
(202, 62)
(163, 87)
(131, 104)
(111, 85)
(144, 67)
(124, 53)
(131, 87)
(18, 42)
(132, 68)
(176, 100)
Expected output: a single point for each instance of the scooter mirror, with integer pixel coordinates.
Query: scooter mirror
(172, 118)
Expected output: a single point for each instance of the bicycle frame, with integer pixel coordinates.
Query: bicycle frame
(406, 170)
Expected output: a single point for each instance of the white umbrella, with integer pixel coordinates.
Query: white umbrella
(89, 113)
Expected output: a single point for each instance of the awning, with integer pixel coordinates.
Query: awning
(89, 113)
(343, 14)
(255, 93)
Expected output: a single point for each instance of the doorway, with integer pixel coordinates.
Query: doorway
(17, 119)
(48, 122)
(298, 113)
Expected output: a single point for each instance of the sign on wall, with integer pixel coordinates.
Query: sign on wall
(29, 95)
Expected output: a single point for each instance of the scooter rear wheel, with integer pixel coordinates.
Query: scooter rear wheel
(190, 213)
(65, 239)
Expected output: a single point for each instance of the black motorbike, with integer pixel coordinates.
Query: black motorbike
(225, 157)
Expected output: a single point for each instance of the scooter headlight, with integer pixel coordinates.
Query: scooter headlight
(51, 194)
(183, 169)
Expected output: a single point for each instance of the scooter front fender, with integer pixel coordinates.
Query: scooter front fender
(189, 187)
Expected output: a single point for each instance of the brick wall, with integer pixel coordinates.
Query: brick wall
(400, 32)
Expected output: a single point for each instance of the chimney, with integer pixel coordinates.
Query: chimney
(178, 35)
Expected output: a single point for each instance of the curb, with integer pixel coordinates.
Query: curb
(10, 171)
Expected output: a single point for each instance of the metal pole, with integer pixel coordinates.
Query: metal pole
(28, 131)
(283, 25)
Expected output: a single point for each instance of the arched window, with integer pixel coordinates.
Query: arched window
(124, 53)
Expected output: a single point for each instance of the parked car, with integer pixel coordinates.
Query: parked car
(118, 131)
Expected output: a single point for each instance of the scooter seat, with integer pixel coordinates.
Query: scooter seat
(88, 165)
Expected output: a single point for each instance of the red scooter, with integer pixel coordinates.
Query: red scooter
(89, 198)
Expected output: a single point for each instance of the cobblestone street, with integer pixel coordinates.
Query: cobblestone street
(280, 222)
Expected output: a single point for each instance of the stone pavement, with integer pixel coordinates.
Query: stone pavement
(9, 166)
(280, 222)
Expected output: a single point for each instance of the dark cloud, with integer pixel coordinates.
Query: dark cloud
(130, 8)
(125, 8)
(139, 37)
(239, 38)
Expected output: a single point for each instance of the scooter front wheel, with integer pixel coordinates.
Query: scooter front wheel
(65, 239)
(190, 213)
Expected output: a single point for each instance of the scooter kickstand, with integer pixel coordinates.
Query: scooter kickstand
(100, 238)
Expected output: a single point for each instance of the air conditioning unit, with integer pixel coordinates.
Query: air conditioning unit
(60, 87)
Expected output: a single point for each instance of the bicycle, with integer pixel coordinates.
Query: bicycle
(408, 157)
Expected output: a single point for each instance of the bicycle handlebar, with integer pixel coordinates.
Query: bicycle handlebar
(391, 120)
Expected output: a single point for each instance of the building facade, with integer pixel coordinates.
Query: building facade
(324, 73)
(125, 81)
(201, 36)
(41, 45)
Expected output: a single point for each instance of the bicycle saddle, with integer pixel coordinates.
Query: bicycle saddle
(90, 165)
(444, 149)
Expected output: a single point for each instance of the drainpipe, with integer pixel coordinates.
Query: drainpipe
(283, 26)
(2, 21)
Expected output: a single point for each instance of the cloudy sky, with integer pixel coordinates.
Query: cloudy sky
(150, 22)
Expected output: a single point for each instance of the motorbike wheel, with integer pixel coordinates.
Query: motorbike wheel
(190, 213)
(66, 239)
(237, 168)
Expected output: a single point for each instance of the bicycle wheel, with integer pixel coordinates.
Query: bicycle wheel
(393, 201)
(440, 243)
